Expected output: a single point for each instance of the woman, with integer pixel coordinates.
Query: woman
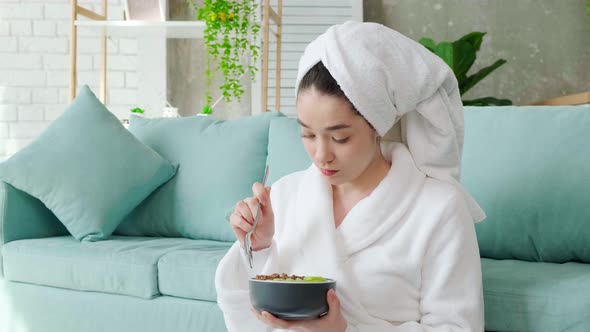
(389, 222)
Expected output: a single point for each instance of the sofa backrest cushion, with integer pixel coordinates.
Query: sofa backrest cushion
(529, 169)
(218, 163)
(285, 149)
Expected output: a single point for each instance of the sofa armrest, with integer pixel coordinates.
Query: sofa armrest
(24, 217)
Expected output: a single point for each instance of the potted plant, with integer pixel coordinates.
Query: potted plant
(231, 31)
(460, 55)
(138, 111)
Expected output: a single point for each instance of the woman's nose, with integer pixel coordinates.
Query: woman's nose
(323, 153)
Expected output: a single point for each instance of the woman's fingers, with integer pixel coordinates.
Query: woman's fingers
(245, 210)
(274, 322)
(237, 221)
(252, 203)
(333, 302)
(261, 193)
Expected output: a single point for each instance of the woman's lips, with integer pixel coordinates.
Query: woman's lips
(328, 172)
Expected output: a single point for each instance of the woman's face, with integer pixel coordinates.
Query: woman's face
(338, 141)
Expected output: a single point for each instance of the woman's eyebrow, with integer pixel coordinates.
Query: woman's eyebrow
(335, 127)
(302, 124)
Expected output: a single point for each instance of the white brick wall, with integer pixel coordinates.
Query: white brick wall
(34, 67)
(7, 113)
(4, 28)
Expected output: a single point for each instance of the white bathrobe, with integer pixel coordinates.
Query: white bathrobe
(405, 258)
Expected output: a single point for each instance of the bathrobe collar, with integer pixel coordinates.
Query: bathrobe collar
(324, 248)
(370, 218)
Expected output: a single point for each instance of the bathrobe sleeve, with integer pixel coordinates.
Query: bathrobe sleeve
(231, 284)
(452, 292)
(233, 272)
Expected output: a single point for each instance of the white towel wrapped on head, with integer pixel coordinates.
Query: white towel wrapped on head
(388, 77)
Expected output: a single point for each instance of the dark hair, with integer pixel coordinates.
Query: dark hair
(319, 77)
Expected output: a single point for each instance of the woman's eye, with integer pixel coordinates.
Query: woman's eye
(307, 135)
(341, 141)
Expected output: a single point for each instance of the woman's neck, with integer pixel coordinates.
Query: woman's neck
(364, 184)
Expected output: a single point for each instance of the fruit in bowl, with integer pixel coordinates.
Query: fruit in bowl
(291, 297)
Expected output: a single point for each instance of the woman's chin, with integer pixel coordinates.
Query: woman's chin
(335, 179)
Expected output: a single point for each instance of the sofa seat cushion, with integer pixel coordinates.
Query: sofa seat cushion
(120, 265)
(191, 273)
(532, 296)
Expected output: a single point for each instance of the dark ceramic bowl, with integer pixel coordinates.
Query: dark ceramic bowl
(291, 300)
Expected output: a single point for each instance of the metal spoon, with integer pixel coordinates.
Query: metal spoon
(247, 239)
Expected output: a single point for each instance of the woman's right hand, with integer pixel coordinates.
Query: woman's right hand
(242, 218)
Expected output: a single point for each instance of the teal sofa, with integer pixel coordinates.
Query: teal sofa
(529, 167)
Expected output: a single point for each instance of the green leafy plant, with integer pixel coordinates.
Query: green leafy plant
(230, 34)
(207, 109)
(460, 55)
(138, 110)
(588, 7)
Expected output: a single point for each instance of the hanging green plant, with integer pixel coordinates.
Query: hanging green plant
(231, 31)
(460, 55)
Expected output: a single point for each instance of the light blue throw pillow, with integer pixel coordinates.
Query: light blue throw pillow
(218, 163)
(87, 169)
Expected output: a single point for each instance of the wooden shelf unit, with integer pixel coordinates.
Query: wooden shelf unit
(167, 29)
(575, 99)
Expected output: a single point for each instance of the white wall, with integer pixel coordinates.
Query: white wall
(303, 21)
(34, 67)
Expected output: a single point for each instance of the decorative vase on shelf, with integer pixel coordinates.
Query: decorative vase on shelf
(146, 10)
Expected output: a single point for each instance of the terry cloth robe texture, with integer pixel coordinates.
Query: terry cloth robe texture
(405, 258)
